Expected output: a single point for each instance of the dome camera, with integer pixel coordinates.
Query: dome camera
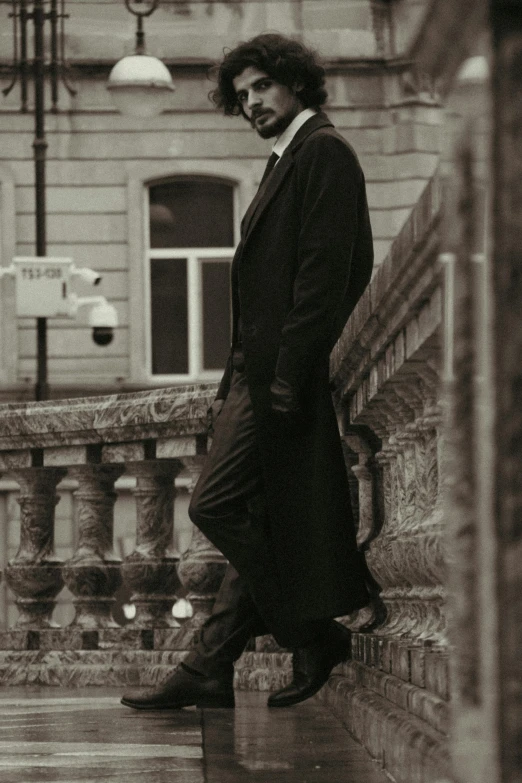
(102, 335)
(103, 318)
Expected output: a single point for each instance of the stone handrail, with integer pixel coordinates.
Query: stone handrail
(386, 376)
(152, 435)
(385, 370)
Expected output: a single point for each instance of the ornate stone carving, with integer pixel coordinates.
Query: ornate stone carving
(150, 570)
(35, 573)
(406, 555)
(94, 572)
(201, 569)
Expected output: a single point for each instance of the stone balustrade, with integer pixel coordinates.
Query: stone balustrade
(152, 436)
(386, 371)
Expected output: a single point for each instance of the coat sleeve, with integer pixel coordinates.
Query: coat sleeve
(330, 189)
(224, 385)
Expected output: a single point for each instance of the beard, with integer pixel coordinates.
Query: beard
(272, 128)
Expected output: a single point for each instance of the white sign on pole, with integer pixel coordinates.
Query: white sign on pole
(42, 286)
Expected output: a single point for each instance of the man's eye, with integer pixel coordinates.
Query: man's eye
(264, 85)
(241, 97)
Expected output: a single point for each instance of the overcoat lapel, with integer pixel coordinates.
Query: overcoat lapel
(278, 174)
(266, 192)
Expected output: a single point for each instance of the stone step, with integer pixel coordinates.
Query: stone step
(422, 703)
(369, 706)
(421, 663)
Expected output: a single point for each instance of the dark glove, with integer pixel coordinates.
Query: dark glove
(212, 414)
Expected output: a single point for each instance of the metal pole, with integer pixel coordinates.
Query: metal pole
(40, 149)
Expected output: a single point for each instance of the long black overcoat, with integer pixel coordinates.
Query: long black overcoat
(303, 261)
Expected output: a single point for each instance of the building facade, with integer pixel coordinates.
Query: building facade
(154, 205)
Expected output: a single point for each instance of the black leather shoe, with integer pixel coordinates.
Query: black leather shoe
(182, 689)
(312, 666)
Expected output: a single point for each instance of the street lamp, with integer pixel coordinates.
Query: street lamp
(22, 15)
(140, 85)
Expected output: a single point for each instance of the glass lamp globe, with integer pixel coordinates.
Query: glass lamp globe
(140, 85)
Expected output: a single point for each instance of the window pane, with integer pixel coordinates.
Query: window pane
(169, 306)
(191, 213)
(216, 314)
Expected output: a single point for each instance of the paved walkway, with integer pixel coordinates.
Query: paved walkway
(86, 736)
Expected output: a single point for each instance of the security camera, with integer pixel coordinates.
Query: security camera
(88, 275)
(103, 318)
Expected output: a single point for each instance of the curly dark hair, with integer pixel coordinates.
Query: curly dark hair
(285, 60)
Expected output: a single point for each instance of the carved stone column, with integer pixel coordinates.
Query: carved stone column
(379, 555)
(93, 574)
(370, 522)
(395, 551)
(406, 555)
(150, 571)
(35, 573)
(429, 565)
(367, 528)
(386, 557)
(201, 569)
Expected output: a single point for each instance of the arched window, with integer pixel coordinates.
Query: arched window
(191, 224)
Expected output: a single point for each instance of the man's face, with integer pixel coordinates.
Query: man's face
(269, 106)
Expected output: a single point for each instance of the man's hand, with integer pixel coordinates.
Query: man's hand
(212, 414)
(283, 398)
(287, 415)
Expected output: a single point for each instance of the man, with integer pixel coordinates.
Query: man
(273, 495)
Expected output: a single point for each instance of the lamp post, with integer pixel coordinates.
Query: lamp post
(39, 15)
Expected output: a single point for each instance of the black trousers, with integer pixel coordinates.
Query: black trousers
(228, 506)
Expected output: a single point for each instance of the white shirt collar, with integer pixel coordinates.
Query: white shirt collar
(288, 134)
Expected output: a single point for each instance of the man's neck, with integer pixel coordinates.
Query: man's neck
(288, 134)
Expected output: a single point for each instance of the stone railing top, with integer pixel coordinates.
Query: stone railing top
(405, 280)
(172, 412)
(400, 286)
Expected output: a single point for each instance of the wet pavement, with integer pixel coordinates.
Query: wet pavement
(85, 735)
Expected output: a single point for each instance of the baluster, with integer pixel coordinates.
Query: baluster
(379, 553)
(201, 569)
(432, 525)
(384, 554)
(35, 573)
(93, 574)
(151, 569)
(362, 470)
(370, 520)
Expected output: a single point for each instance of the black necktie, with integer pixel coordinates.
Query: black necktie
(272, 160)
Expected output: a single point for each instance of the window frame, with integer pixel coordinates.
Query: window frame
(194, 282)
(194, 257)
(242, 174)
